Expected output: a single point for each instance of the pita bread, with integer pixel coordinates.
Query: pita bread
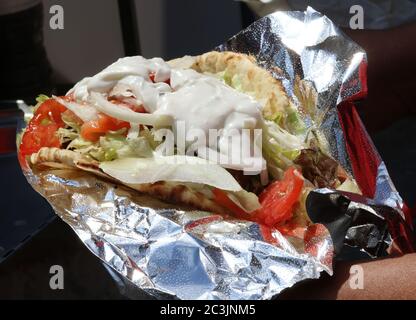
(252, 79)
(168, 191)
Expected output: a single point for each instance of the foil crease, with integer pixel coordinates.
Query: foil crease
(165, 252)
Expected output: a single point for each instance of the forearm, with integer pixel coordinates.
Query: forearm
(390, 278)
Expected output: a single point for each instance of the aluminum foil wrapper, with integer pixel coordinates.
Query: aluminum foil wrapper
(319, 65)
(316, 63)
(167, 251)
(179, 253)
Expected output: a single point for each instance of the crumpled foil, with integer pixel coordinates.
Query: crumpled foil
(360, 223)
(166, 252)
(179, 253)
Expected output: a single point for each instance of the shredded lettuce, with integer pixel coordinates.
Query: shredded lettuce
(72, 130)
(294, 123)
(70, 121)
(67, 135)
(224, 77)
(280, 147)
(113, 145)
(118, 147)
(277, 118)
(290, 120)
(39, 100)
(233, 81)
(236, 83)
(149, 135)
(42, 98)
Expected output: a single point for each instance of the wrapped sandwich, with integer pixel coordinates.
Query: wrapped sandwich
(216, 132)
(230, 175)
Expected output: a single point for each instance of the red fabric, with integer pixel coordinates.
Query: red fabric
(363, 155)
(365, 161)
(409, 215)
(402, 235)
(7, 140)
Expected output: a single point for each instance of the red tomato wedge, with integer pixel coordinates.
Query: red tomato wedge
(41, 130)
(135, 108)
(223, 200)
(93, 130)
(279, 198)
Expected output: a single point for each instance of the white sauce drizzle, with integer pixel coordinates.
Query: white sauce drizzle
(200, 101)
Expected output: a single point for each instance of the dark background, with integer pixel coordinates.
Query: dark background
(32, 239)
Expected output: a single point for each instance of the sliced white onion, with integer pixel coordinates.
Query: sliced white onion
(248, 201)
(125, 114)
(250, 165)
(83, 111)
(134, 131)
(121, 90)
(170, 168)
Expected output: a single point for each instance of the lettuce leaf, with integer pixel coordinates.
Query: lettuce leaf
(118, 146)
(280, 147)
(42, 98)
(112, 146)
(294, 123)
(67, 135)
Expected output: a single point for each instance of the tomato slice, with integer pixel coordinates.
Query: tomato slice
(93, 130)
(139, 109)
(135, 108)
(224, 201)
(277, 201)
(279, 198)
(50, 110)
(41, 130)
